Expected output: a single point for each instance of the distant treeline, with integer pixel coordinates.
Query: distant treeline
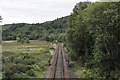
(49, 31)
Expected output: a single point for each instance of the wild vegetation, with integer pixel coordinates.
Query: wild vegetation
(93, 39)
(52, 31)
(25, 60)
(0, 18)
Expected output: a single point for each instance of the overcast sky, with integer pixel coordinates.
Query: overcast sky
(34, 11)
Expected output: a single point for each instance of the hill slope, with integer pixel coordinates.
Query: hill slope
(45, 31)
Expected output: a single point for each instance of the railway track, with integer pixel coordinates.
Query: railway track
(58, 65)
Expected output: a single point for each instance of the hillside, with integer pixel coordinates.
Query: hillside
(49, 31)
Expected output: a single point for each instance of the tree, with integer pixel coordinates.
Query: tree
(27, 40)
(21, 38)
(0, 19)
(18, 39)
(93, 36)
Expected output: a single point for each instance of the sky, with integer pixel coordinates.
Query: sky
(35, 11)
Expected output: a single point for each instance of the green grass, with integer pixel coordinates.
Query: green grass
(32, 47)
(25, 60)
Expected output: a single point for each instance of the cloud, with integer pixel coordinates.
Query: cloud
(32, 11)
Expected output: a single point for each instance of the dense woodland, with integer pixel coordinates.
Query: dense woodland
(49, 31)
(90, 33)
(93, 37)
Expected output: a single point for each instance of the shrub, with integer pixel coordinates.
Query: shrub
(31, 72)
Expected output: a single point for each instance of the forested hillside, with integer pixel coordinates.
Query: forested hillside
(93, 38)
(49, 31)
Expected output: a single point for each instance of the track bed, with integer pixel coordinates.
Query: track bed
(58, 65)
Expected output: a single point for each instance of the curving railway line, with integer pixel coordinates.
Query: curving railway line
(58, 65)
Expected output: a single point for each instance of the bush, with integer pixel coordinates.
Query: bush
(31, 72)
(18, 68)
(18, 39)
(26, 40)
(23, 39)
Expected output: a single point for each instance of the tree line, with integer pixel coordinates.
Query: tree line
(93, 36)
(52, 31)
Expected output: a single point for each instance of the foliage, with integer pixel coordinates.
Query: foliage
(24, 64)
(48, 31)
(22, 39)
(1, 19)
(93, 36)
